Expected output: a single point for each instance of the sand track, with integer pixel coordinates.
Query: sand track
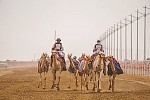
(22, 85)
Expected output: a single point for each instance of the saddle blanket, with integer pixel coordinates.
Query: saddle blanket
(117, 67)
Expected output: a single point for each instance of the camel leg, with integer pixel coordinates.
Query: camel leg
(70, 81)
(113, 82)
(99, 82)
(110, 81)
(87, 86)
(54, 79)
(53, 85)
(44, 80)
(94, 80)
(86, 80)
(91, 75)
(40, 82)
(76, 80)
(58, 82)
(81, 82)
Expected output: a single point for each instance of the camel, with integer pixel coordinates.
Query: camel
(43, 66)
(56, 66)
(112, 72)
(73, 70)
(98, 67)
(85, 72)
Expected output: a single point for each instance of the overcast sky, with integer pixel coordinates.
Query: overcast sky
(27, 27)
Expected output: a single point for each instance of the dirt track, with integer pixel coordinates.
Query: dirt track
(22, 85)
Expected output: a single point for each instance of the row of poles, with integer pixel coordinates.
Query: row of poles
(116, 28)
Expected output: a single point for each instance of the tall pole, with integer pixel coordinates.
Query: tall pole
(131, 37)
(117, 41)
(111, 40)
(114, 40)
(125, 38)
(137, 36)
(55, 36)
(120, 42)
(145, 34)
(107, 43)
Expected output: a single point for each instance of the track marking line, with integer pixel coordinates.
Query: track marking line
(135, 81)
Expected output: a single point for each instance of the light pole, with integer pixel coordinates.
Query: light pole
(114, 37)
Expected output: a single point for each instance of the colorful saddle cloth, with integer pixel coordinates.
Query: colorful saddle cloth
(81, 66)
(117, 67)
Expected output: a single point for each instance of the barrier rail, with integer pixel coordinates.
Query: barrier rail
(141, 68)
(3, 65)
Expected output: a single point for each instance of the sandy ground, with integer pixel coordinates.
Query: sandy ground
(21, 84)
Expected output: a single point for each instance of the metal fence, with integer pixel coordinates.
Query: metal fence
(141, 68)
(127, 41)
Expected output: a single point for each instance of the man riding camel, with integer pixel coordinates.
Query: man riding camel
(97, 48)
(59, 49)
(82, 61)
(76, 63)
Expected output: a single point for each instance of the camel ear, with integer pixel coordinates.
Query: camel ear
(70, 54)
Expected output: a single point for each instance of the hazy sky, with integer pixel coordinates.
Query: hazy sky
(27, 27)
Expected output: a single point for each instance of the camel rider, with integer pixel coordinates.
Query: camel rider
(98, 47)
(82, 64)
(76, 63)
(59, 49)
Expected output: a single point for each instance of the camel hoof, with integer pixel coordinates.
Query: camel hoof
(113, 90)
(58, 88)
(87, 87)
(109, 88)
(68, 86)
(74, 89)
(44, 88)
(38, 86)
(52, 87)
(93, 89)
(99, 90)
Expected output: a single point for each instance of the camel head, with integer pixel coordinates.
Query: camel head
(43, 55)
(69, 56)
(83, 55)
(88, 58)
(101, 55)
(110, 58)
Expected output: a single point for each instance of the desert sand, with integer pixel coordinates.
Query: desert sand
(21, 84)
